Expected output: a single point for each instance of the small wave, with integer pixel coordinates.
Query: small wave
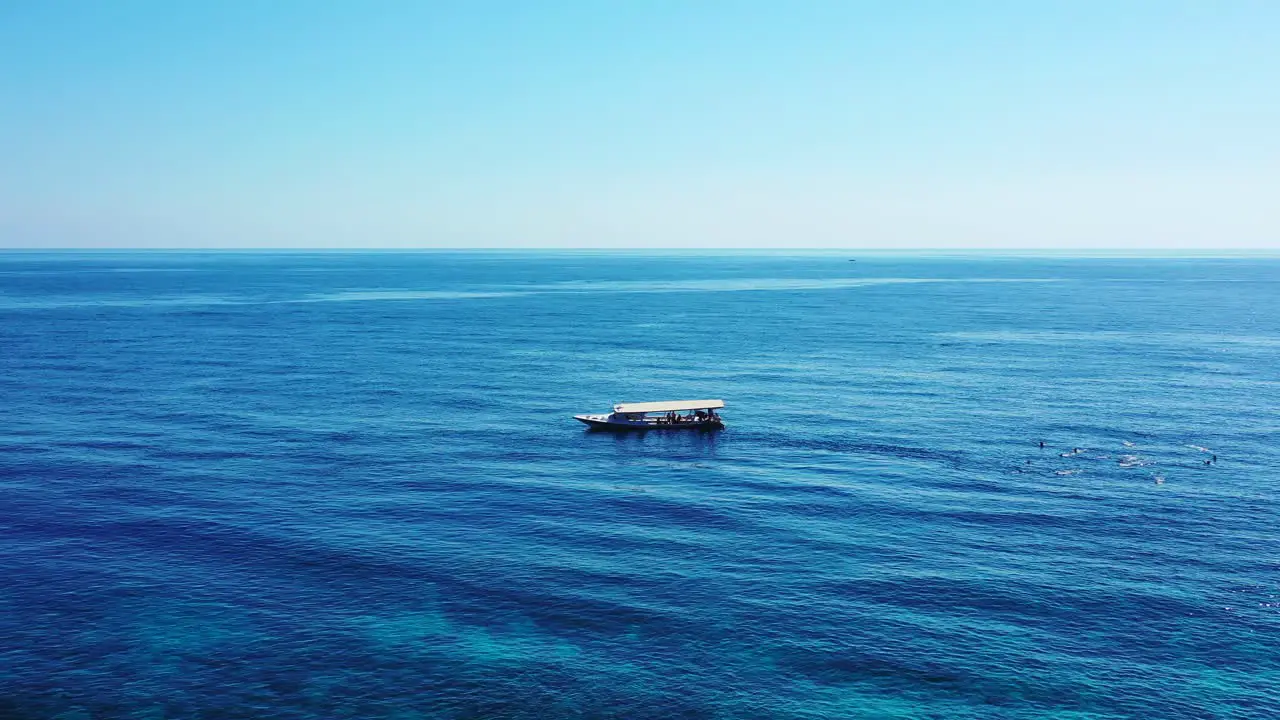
(84, 270)
(61, 303)
(370, 295)
(646, 286)
(1122, 337)
(587, 287)
(749, 284)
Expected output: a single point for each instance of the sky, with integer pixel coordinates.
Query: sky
(907, 124)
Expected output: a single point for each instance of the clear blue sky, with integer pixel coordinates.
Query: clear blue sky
(947, 124)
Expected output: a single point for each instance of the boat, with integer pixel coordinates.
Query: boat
(667, 415)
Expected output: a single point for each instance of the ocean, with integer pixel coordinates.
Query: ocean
(349, 485)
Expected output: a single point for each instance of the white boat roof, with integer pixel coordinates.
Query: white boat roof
(668, 406)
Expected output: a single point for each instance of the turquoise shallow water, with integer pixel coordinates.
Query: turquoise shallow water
(349, 486)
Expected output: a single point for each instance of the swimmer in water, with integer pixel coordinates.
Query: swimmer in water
(1041, 444)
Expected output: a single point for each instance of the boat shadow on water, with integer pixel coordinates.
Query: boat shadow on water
(667, 445)
(696, 429)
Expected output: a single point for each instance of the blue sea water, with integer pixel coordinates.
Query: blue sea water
(349, 486)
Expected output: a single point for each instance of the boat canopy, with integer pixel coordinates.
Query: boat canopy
(668, 406)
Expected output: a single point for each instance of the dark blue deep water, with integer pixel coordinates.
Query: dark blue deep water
(349, 486)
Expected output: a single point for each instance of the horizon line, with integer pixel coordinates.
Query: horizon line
(1194, 251)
